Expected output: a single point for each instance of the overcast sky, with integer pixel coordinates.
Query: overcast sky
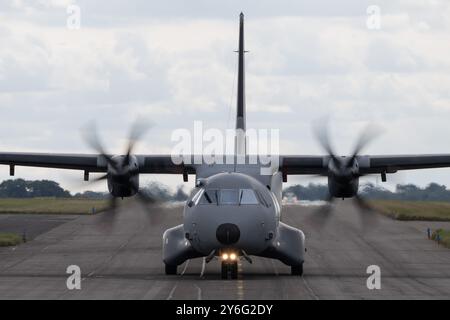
(172, 62)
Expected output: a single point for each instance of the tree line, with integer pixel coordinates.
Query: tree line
(409, 192)
(20, 188)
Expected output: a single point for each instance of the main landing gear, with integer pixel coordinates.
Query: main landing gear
(171, 269)
(297, 270)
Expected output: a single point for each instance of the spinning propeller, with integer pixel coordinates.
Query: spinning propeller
(344, 173)
(123, 170)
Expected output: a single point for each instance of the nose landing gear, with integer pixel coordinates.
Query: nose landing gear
(229, 270)
(229, 265)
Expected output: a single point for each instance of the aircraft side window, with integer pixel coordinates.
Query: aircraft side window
(261, 199)
(229, 196)
(247, 196)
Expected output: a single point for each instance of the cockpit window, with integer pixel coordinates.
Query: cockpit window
(196, 197)
(230, 197)
(247, 196)
(261, 199)
(209, 197)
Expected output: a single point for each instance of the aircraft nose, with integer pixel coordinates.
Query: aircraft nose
(228, 233)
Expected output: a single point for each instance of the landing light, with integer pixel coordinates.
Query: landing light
(229, 256)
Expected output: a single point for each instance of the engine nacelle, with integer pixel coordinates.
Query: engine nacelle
(342, 189)
(123, 182)
(122, 190)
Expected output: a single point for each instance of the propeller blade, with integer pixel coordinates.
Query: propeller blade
(369, 134)
(368, 215)
(91, 137)
(320, 217)
(145, 198)
(148, 202)
(122, 172)
(322, 135)
(80, 185)
(362, 203)
(138, 129)
(109, 216)
(101, 178)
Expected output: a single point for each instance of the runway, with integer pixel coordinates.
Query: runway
(123, 261)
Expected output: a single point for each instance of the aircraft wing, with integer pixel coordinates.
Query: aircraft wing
(162, 164)
(293, 165)
(52, 160)
(390, 164)
(297, 165)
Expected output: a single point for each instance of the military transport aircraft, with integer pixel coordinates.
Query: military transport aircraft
(234, 211)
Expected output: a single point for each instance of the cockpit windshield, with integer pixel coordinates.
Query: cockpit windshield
(209, 197)
(247, 196)
(229, 197)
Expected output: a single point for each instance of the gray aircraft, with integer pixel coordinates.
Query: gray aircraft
(235, 211)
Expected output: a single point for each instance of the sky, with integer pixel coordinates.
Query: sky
(173, 63)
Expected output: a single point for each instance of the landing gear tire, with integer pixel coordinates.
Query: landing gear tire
(229, 270)
(171, 269)
(297, 270)
(234, 270)
(224, 271)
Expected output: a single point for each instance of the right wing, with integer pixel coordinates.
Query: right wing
(87, 162)
(155, 164)
(298, 165)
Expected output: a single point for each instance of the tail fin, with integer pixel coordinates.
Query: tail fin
(241, 145)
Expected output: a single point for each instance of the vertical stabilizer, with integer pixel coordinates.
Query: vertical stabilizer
(241, 117)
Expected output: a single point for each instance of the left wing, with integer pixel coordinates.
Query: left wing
(391, 164)
(297, 165)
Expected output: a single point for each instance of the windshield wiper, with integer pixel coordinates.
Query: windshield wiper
(207, 197)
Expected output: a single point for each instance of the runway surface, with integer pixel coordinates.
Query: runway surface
(30, 226)
(124, 261)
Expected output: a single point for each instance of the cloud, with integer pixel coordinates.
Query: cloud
(175, 64)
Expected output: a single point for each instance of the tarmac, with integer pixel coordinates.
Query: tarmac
(124, 260)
